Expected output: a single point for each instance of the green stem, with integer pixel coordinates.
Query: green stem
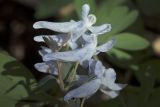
(75, 70)
(76, 66)
(72, 75)
(61, 83)
(82, 102)
(95, 57)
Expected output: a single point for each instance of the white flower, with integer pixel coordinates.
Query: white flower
(104, 81)
(44, 51)
(85, 53)
(76, 29)
(60, 39)
(46, 67)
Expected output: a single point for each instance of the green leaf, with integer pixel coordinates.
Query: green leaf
(129, 41)
(120, 58)
(48, 84)
(65, 69)
(71, 76)
(119, 17)
(16, 81)
(116, 13)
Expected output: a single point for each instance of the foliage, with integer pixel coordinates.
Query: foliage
(16, 81)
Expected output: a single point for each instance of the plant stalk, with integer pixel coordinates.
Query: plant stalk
(61, 83)
(82, 102)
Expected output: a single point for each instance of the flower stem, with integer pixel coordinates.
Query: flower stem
(76, 66)
(75, 70)
(72, 75)
(95, 57)
(82, 102)
(61, 83)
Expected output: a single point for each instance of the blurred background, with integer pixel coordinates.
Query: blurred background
(136, 56)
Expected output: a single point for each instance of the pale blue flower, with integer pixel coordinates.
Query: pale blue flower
(46, 67)
(44, 51)
(60, 39)
(75, 29)
(104, 81)
(85, 53)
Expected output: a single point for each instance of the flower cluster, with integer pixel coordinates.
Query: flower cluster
(81, 36)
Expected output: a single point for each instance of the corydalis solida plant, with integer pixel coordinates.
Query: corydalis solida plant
(81, 36)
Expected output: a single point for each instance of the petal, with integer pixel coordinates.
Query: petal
(100, 29)
(52, 68)
(85, 64)
(109, 80)
(91, 20)
(44, 51)
(99, 69)
(84, 91)
(111, 94)
(39, 38)
(42, 67)
(64, 27)
(76, 34)
(105, 47)
(89, 38)
(77, 55)
(60, 39)
(92, 64)
(46, 67)
(72, 45)
(85, 11)
(96, 68)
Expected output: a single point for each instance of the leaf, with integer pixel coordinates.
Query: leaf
(71, 76)
(117, 14)
(16, 81)
(48, 84)
(65, 69)
(131, 42)
(120, 58)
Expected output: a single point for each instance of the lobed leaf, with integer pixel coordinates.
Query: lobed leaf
(131, 42)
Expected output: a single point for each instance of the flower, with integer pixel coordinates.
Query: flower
(85, 53)
(81, 36)
(60, 39)
(46, 67)
(104, 81)
(76, 29)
